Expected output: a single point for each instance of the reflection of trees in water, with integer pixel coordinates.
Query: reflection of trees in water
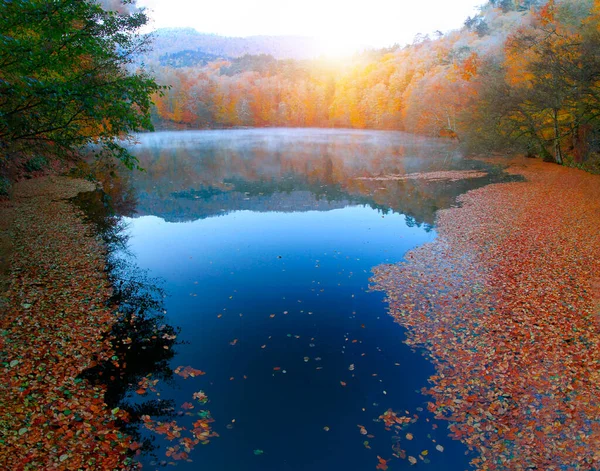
(191, 177)
(141, 339)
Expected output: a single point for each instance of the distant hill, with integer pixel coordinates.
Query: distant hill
(188, 58)
(178, 46)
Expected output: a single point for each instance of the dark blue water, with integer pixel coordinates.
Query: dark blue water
(265, 241)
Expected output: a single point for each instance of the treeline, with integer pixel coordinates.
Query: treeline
(522, 75)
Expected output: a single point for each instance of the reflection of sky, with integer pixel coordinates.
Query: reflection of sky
(258, 235)
(311, 270)
(198, 174)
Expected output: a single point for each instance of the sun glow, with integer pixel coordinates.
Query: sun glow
(343, 26)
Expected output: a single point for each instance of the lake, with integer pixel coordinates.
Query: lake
(264, 241)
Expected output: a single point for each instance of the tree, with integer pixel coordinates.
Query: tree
(554, 67)
(65, 78)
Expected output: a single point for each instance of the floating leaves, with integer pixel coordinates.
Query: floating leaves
(391, 419)
(188, 371)
(504, 303)
(200, 396)
(381, 463)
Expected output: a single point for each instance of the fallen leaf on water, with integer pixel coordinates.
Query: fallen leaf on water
(186, 372)
(382, 463)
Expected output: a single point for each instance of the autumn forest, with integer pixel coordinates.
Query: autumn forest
(521, 74)
(229, 246)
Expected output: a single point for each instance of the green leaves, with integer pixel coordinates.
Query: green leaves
(65, 82)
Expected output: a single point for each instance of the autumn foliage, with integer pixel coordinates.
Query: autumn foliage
(505, 301)
(522, 75)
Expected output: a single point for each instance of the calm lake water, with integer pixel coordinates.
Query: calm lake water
(264, 241)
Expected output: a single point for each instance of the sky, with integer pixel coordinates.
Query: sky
(342, 24)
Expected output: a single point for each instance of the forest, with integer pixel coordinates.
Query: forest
(521, 75)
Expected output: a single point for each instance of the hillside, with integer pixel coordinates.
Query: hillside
(519, 75)
(189, 42)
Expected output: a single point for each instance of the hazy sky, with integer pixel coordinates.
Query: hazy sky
(341, 23)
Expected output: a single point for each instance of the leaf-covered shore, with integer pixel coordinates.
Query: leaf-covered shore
(505, 302)
(51, 331)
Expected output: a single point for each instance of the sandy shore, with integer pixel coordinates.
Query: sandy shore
(52, 326)
(505, 301)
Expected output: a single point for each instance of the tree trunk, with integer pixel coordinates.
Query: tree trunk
(557, 152)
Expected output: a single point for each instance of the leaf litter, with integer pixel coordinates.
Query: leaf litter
(505, 302)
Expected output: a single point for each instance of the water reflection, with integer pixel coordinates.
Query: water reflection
(272, 296)
(198, 174)
(142, 341)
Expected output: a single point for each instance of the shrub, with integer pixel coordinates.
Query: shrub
(36, 163)
(4, 186)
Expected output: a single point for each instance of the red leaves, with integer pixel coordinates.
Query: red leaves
(382, 464)
(188, 371)
(53, 328)
(59, 421)
(391, 419)
(504, 301)
(200, 396)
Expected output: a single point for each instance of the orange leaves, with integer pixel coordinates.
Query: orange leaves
(470, 66)
(391, 419)
(547, 12)
(200, 396)
(187, 372)
(382, 464)
(509, 305)
(145, 384)
(58, 421)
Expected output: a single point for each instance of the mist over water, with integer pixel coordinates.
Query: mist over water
(265, 240)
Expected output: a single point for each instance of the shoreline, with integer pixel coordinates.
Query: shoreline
(505, 301)
(488, 258)
(53, 329)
